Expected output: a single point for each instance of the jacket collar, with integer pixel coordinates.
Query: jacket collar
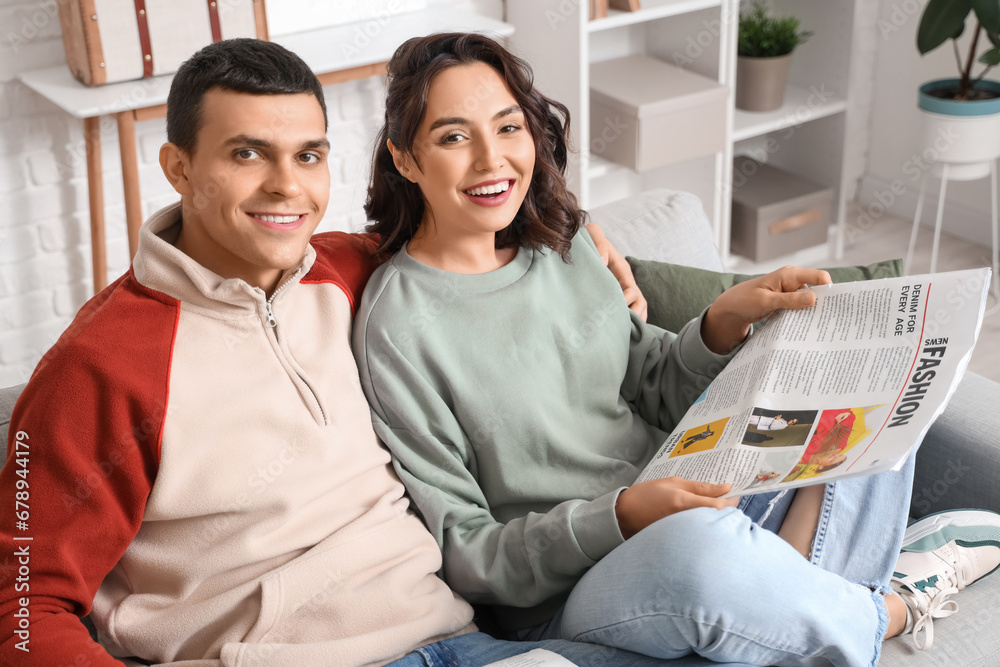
(160, 266)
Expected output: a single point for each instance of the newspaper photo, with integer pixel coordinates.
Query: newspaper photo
(845, 388)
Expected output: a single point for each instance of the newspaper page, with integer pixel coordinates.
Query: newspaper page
(845, 388)
(534, 658)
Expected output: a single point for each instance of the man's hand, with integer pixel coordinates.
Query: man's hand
(620, 269)
(728, 320)
(647, 502)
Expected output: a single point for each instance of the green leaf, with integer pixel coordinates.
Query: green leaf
(942, 19)
(988, 13)
(762, 35)
(991, 58)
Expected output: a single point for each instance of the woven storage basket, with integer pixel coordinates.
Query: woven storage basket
(108, 41)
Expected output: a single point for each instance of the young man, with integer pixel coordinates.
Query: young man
(201, 474)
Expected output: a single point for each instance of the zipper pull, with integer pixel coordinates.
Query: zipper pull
(270, 315)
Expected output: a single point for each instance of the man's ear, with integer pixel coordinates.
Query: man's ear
(176, 167)
(404, 162)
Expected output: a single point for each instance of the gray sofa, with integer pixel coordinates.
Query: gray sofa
(958, 464)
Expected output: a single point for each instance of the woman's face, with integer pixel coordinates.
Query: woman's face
(472, 156)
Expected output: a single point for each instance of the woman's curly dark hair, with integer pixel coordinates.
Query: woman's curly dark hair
(549, 215)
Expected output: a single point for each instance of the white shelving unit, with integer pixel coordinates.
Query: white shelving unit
(806, 136)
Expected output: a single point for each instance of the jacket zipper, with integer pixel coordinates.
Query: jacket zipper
(267, 304)
(273, 323)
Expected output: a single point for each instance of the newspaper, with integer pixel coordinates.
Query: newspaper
(843, 389)
(535, 658)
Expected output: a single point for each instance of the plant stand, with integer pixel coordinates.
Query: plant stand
(959, 172)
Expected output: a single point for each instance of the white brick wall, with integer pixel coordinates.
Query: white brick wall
(45, 267)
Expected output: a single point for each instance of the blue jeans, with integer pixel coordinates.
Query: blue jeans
(721, 584)
(477, 649)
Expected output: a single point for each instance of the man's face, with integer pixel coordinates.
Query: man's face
(255, 186)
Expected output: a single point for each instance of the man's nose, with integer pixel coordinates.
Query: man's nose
(282, 179)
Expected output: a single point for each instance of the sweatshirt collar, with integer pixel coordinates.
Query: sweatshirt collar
(490, 281)
(160, 266)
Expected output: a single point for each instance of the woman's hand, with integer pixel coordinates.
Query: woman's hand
(728, 320)
(620, 269)
(647, 502)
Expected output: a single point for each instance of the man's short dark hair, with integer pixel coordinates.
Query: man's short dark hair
(242, 65)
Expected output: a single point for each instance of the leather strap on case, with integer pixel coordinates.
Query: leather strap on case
(144, 44)
(213, 18)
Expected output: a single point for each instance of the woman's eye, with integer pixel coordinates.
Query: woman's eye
(507, 129)
(452, 138)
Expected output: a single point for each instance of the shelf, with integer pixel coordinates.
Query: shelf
(651, 10)
(801, 106)
(316, 47)
(600, 167)
(817, 254)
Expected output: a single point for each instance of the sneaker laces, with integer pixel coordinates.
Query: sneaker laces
(925, 607)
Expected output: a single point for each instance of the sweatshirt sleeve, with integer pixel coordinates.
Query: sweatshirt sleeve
(666, 372)
(82, 452)
(521, 562)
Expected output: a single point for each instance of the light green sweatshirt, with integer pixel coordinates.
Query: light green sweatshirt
(518, 404)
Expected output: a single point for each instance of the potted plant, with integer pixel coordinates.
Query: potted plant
(764, 53)
(963, 109)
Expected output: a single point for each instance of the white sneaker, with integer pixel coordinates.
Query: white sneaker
(942, 554)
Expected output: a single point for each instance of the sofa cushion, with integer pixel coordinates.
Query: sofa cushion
(959, 458)
(662, 225)
(678, 293)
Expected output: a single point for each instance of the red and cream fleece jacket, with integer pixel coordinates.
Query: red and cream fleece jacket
(200, 469)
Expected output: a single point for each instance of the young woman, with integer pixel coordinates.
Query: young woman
(521, 398)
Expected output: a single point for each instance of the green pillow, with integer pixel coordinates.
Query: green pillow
(678, 293)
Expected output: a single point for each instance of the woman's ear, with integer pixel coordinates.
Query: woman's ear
(404, 162)
(176, 167)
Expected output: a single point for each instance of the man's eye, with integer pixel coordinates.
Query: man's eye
(246, 154)
(310, 158)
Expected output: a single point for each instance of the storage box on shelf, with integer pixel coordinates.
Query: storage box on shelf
(648, 113)
(776, 213)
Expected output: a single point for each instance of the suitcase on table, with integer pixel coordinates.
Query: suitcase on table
(109, 41)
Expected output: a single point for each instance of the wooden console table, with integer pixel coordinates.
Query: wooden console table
(338, 54)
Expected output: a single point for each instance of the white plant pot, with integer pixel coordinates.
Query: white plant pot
(965, 135)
